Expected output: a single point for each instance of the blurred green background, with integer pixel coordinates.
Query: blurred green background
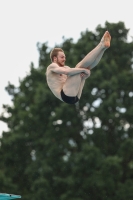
(56, 151)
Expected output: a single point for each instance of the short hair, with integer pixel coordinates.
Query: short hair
(54, 53)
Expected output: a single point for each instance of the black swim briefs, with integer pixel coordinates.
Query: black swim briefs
(67, 99)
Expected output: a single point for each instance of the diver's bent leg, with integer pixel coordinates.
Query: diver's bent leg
(72, 85)
(81, 89)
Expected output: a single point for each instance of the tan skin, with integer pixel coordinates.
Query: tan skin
(60, 60)
(71, 80)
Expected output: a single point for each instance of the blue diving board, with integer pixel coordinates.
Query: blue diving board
(4, 196)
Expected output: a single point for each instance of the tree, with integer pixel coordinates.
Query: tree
(57, 151)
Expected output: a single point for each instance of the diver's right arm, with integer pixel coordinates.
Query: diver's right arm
(67, 70)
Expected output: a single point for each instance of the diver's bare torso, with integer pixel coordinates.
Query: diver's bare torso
(55, 81)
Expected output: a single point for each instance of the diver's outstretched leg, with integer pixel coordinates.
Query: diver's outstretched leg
(93, 57)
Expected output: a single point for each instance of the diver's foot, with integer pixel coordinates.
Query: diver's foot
(106, 39)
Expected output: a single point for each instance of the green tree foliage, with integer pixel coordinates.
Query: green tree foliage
(56, 151)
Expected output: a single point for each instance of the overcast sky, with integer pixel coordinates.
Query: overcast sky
(23, 23)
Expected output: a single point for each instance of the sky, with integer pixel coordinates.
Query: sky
(23, 23)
